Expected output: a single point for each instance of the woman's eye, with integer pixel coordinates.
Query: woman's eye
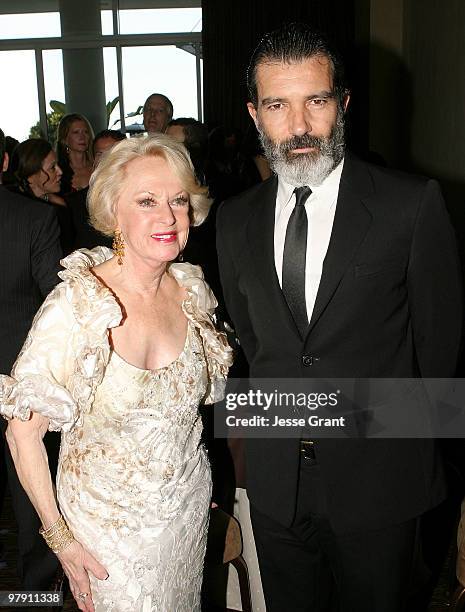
(147, 203)
(180, 201)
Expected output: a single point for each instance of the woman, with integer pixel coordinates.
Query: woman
(36, 174)
(74, 151)
(119, 358)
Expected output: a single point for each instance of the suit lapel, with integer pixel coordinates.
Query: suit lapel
(260, 236)
(351, 223)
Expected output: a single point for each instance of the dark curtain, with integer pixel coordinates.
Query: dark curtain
(232, 29)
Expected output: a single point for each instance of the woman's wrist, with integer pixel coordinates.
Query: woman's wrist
(57, 536)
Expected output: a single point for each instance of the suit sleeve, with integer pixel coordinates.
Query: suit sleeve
(46, 251)
(435, 287)
(236, 303)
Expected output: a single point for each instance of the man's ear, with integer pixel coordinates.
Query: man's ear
(252, 112)
(345, 101)
(6, 159)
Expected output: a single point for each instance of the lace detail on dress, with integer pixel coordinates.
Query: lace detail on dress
(72, 328)
(136, 475)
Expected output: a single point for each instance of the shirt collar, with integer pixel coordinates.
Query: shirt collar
(327, 190)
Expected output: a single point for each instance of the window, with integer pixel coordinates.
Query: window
(135, 64)
(19, 105)
(150, 69)
(30, 25)
(140, 21)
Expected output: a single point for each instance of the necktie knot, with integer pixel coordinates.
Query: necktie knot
(301, 195)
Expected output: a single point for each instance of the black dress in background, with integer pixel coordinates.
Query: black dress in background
(84, 235)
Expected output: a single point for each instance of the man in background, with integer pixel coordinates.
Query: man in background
(30, 253)
(158, 112)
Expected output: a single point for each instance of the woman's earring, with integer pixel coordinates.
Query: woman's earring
(118, 246)
(67, 149)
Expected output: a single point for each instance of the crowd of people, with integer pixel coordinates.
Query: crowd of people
(121, 257)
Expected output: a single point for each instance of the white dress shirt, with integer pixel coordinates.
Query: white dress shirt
(320, 208)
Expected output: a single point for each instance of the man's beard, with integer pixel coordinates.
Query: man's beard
(310, 168)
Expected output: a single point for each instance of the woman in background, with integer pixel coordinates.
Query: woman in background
(36, 174)
(74, 152)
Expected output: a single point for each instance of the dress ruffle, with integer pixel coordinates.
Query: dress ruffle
(37, 394)
(67, 393)
(199, 307)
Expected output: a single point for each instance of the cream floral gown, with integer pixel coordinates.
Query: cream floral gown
(134, 481)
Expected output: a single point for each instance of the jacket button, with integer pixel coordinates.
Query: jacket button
(307, 360)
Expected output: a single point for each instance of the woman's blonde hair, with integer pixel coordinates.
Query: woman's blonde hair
(107, 179)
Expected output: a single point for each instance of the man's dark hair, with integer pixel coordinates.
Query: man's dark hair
(2, 148)
(195, 132)
(115, 135)
(167, 101)
(295, 42)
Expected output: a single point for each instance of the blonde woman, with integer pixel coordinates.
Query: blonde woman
(74, 152)
(119, 358)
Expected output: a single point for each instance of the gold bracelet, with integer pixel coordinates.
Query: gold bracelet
(57, 536)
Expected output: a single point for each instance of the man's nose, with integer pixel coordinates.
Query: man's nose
(299, 122)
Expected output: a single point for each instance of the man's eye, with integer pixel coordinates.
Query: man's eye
(318, 102)
(275, 107)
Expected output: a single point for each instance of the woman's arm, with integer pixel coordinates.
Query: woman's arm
(35, 398)
(30, 458)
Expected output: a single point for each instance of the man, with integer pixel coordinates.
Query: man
(84, 234)
(30, 253)
(158, 112)
(335, 268)
(194, 135)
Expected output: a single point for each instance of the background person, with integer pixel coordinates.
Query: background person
(37, 175)
(30, 253)
(158, 112)
(84, 235)
(74, 152)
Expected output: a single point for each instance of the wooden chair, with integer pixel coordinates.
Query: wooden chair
(225, 546)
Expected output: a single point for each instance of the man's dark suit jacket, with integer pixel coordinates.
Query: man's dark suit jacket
(388, 305)
(30, 253)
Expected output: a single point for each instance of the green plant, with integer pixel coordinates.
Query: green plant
(54, 118)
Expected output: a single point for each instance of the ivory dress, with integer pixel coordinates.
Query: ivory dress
(133, 481)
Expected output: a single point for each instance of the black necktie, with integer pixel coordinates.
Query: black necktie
(295, 249)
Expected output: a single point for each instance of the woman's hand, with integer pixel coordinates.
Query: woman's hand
(77, 563)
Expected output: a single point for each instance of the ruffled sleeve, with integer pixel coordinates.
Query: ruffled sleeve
(66, 352)
(38, 377)
(199, 307)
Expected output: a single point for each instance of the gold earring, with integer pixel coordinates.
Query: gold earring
(118, 246)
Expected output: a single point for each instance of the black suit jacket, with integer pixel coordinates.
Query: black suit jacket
(388, 305)
(30, 253)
